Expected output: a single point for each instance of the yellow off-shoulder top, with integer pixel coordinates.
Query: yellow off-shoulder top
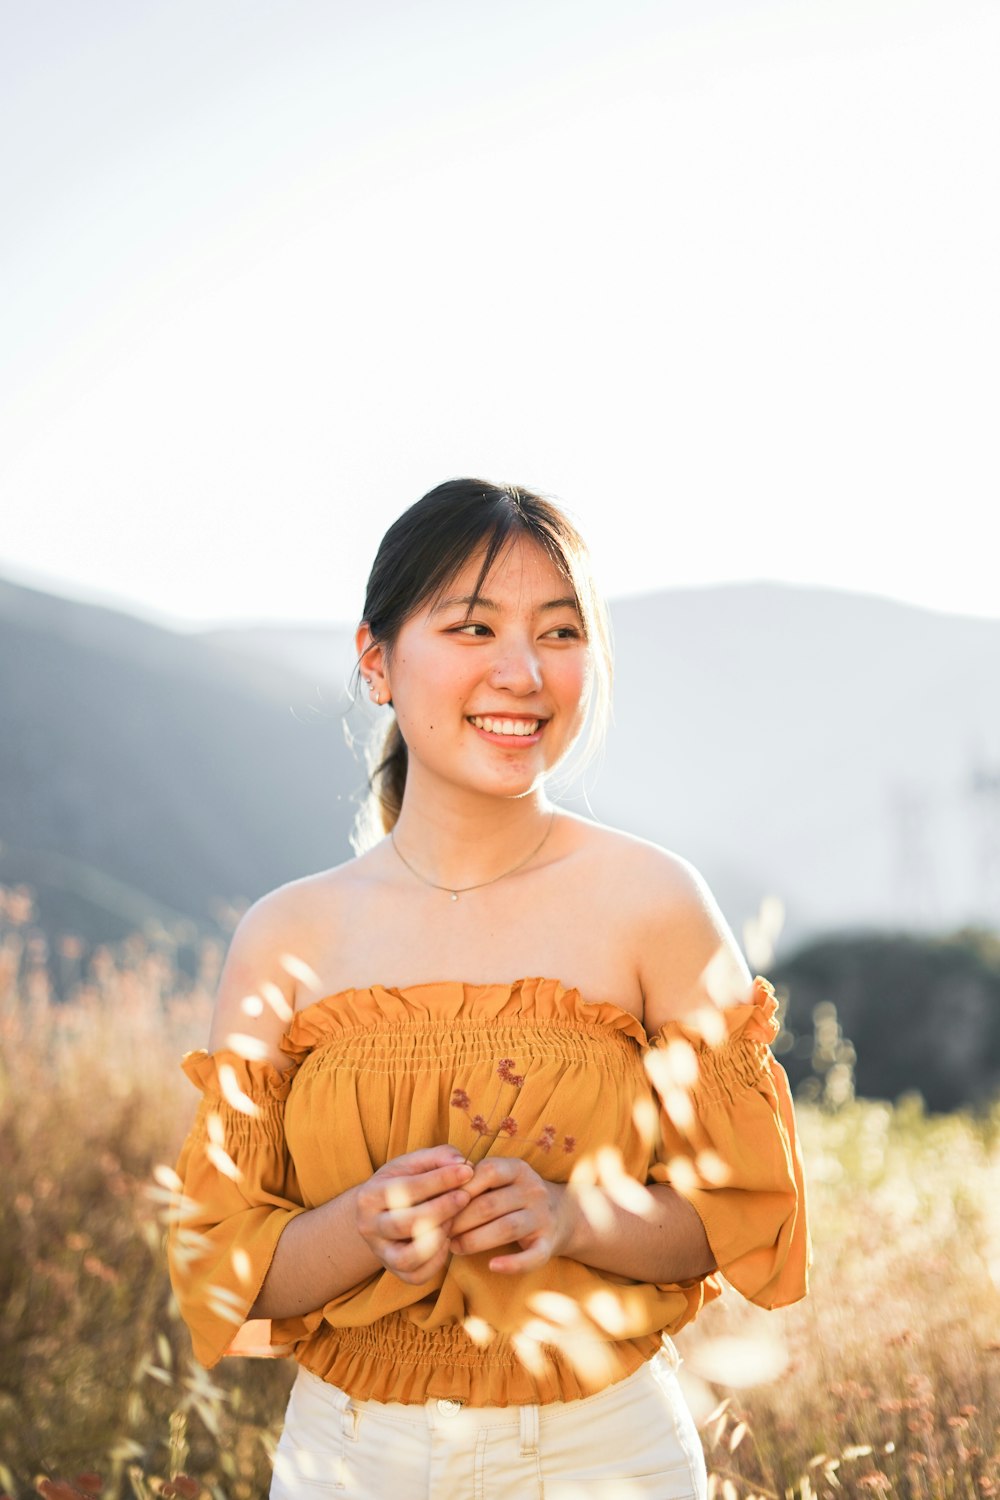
(374, 1073)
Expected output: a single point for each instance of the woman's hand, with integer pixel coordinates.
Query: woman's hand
(405, 1210)
(511, 1204)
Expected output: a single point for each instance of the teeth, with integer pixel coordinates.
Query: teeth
(506, 726)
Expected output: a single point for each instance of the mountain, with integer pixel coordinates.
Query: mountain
(838, 750)
(146, 775)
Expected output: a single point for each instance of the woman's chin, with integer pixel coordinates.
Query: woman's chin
(503, 781)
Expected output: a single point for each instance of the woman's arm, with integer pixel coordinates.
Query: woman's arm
(398, 1221)
(669, 1245)
(319, 1256)
(689, 963)
(511, 1204)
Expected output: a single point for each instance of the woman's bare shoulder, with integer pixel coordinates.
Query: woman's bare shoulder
(686, 954)
(272, 958)
(637, 858)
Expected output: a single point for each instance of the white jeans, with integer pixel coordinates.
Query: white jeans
(635, 1440)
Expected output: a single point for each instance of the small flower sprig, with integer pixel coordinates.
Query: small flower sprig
(508, 1125)
(547, 1140)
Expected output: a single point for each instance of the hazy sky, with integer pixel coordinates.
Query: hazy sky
(721, 277)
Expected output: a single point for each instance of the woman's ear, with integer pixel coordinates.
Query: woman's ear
(371, 659)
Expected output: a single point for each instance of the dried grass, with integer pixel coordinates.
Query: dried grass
(886, 1380)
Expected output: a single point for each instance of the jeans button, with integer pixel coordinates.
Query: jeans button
(448, 1407)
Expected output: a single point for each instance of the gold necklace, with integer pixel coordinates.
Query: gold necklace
(463, 888)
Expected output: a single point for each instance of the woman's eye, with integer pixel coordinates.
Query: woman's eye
(561, 632)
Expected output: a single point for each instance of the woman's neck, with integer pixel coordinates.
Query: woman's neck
(461, 840)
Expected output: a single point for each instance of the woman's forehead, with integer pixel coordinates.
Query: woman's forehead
(521, 563)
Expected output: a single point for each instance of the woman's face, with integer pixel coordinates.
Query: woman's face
(492, 701)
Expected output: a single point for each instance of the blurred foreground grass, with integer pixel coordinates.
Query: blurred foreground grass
(886, 1379)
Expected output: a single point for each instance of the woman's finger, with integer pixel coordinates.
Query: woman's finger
(536, 1254)
(383, 1191)
(489, 1206)
(497, 1172)
(404, 1191)
(427, 1159)
(418, 1259)
(405, 1223)
(508, 1230)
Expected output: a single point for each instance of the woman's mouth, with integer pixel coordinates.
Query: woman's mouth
(508, 730)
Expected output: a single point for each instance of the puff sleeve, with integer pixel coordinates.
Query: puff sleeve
(238, 1192)
(728, 1145)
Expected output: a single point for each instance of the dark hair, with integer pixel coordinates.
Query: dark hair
(417, 559)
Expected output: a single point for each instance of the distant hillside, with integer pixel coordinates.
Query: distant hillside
(839, 750)
(145, 772)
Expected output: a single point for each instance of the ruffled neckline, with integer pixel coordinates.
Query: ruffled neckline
(451, 1000)
(532, 998)
(435, 1001)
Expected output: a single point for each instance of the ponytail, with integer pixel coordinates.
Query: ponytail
(386, 757)
(387, 780)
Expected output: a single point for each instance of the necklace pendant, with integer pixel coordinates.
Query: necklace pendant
(454, 895)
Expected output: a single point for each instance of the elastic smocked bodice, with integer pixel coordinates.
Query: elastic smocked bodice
(528, 1069)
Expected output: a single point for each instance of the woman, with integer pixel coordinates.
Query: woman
(474, 1205)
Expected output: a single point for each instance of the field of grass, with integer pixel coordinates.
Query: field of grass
(885, 1380)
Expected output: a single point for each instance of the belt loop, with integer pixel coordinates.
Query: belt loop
(668, 1349)
(529, 1431)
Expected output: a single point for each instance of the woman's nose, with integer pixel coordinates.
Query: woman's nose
(517, 669)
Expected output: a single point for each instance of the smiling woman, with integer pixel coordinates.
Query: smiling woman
(475, 1205)
(425, 596)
